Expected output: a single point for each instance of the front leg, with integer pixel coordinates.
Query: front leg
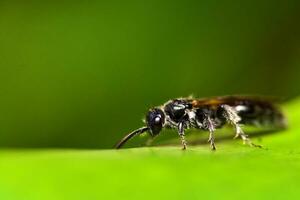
(181, 135)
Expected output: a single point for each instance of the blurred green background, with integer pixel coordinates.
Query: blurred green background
(82, 74)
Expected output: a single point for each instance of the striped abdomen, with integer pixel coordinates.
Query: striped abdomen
(259, 113)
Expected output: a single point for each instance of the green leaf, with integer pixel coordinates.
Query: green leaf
(234, 171)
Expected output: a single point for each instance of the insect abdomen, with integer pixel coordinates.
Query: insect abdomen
(260, 114)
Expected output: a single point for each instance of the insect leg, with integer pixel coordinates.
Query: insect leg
(245, 138)
(210, 125)
(211, 140)
(205, 120)
(181, 135)
(233, 118)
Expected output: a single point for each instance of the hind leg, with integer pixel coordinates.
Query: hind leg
(245, 138)
(233, 118)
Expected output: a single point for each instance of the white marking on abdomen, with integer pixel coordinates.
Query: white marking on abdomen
(240, 108)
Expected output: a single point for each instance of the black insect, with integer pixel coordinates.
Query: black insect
(210, 114)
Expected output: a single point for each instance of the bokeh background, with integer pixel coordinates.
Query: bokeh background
(81, 74)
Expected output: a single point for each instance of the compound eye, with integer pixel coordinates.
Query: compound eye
(155, 120)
